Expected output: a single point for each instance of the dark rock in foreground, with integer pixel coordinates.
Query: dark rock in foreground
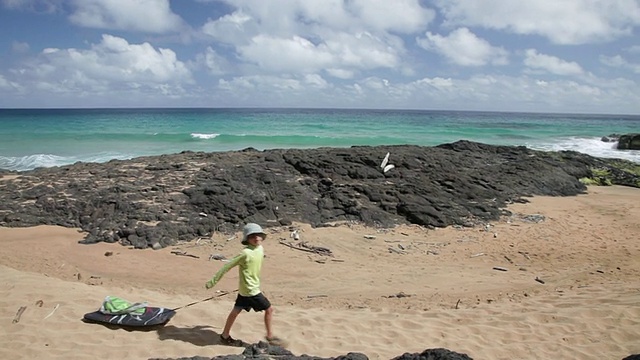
(263, 351)
(157, 201)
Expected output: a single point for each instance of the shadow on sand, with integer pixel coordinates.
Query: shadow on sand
(200, 335)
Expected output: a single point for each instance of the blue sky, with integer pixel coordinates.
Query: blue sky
(490, 55)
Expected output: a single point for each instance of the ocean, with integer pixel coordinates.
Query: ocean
(31, 138)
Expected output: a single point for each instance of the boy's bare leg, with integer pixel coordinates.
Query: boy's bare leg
(231, 318)
(268, 315)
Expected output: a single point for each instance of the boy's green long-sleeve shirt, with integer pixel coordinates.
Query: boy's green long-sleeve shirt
(249, 263)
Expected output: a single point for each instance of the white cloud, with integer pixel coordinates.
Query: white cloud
(403, 16)
(38, 6)
(300, 54)
(307, 36)
(343, 54)
(112, 65)
(620, 62)
(562, 22)
(316, 81)
(551, 64)
(613, 61)
(234, 28)
(243, 83)
(327, 53)
(374, 83)
(13, 4)
(212, 62)
(19, 47)
(478, 92)
(154, 16)
(437, 82)
(464, 48)
(508, 93)
(4, 83)
(261, 90)
(340, 73)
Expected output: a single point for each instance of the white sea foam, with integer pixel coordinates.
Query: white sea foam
(591, 146)
(30, 162)
(104, 157)
(204, 136)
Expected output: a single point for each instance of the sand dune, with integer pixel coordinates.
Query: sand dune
(436, 288)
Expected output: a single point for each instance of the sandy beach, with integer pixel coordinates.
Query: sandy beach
(571, 289)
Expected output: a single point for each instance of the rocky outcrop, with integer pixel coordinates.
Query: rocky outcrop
(263, 351)
(629, 142)
(610, 138)
(157, 201)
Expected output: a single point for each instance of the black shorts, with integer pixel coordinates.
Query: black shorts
(257, 302)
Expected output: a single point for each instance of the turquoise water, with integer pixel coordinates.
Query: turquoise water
(50, 137)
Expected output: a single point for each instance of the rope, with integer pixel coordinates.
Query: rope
(203, 300)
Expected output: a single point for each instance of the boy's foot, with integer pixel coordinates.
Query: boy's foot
(229, 341)
(276, 341)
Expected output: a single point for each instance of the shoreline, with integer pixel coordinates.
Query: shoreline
(610, 139)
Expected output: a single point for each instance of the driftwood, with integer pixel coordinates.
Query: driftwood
(316, 296)
(184, 253)
(524, 254)
(398, 295)
(304, 246)
(499, 268)
(391, 249)
(18, 314)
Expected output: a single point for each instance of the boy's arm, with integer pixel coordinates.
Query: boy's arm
(233, 262)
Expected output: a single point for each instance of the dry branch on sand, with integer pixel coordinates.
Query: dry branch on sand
(184, 253)
(19, 314)
(304, 246)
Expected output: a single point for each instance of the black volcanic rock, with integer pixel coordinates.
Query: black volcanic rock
(157, 201)
(434, 354)
(264, 351)
(629, 142)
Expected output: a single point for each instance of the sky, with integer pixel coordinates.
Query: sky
(559, 56)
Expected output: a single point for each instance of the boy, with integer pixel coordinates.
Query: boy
(249, 263)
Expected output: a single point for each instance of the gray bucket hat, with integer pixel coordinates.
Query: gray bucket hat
(249, 229)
